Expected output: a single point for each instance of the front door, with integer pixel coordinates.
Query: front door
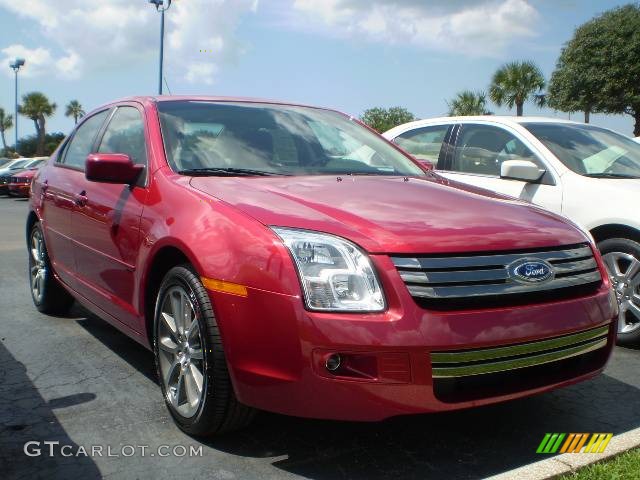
(106, 222)
(477, 156)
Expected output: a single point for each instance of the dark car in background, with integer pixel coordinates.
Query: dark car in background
(14, 167)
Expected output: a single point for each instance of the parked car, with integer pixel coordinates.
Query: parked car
(587, 173)
(269, 267)
(9, 169)
(20, 183)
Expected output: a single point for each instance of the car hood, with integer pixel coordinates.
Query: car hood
(394, 214)
(9, 171)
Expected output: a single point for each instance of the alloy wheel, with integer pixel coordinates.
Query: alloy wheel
(180, 352)
(38, 268)
(624, 271)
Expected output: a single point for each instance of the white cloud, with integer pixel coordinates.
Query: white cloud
(84, 35)
(41, 61)
(481, 27)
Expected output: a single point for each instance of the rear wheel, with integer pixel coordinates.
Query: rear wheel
(48, 295)
(190, 361)
(622, 259)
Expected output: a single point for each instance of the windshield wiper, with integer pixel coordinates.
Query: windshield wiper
(609, 175)
(227, 172)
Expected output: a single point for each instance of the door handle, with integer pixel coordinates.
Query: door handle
(44, 187)
(80, 199)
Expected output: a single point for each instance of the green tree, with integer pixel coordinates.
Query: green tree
(6, 122)
(28, 146)
(516, 82)
(570, 90)
(599, 68)
(468, 103)
(383, 119)
(36, 106)
(74, 109)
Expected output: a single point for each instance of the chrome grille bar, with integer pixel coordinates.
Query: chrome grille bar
(429, 263)
(491, 360)
(488, 275)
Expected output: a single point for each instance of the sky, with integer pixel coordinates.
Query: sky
(346, 54)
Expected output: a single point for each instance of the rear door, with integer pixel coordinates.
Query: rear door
(59, 183)
(105, 224)
(476, 158)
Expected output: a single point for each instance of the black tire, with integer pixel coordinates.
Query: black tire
(629, 247)
(219, 411)
(53, 299)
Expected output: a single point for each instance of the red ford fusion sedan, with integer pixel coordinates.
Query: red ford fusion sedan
(287, 258)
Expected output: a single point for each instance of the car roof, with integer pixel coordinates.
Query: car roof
(503, 119)
(209, 98)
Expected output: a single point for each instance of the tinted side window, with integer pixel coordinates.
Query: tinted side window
(125, 134)
(423, 143)
(82, 141)
(481, 149)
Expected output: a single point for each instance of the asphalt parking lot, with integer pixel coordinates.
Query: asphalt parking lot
(78, 381)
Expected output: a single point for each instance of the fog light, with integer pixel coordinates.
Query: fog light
(333, 362)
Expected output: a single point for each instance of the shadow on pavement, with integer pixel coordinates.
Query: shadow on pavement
(25, 416)
(466, 444)
(129, 350)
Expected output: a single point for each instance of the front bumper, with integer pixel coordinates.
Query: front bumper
(19, 189)
(277, 351)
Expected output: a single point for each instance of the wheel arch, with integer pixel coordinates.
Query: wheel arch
(615, 230)
(163, 259)
(32, 218)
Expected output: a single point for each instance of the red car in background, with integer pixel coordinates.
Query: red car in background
(287, 258)
(10, 175)
(19, 184)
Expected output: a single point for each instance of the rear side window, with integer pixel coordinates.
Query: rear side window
(125, 134)
(82, 141)
(423, 143)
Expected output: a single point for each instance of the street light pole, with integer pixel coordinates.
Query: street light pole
(161, 7)
(15, 66)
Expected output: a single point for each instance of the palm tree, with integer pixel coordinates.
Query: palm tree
(6, 122)
(74, 109)
(514, 83)
(36, 106)
(468, 103)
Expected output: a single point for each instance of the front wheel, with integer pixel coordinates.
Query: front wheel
(190, 360)
(622, 259)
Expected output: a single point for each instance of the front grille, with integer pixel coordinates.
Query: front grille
(484, 280)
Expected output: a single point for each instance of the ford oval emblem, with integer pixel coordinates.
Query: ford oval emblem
(530, 270)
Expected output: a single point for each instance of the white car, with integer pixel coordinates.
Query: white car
(589, 174)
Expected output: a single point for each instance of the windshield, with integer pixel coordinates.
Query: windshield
(590, 151)
(19, 164)
(34, 163)
(221, 138)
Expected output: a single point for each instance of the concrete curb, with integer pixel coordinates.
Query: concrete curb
(570, 462)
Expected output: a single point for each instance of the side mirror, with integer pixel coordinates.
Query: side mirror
(523, 170)
(425, 164)
(111, 168)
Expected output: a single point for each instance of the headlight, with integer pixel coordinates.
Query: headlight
(335, 274)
